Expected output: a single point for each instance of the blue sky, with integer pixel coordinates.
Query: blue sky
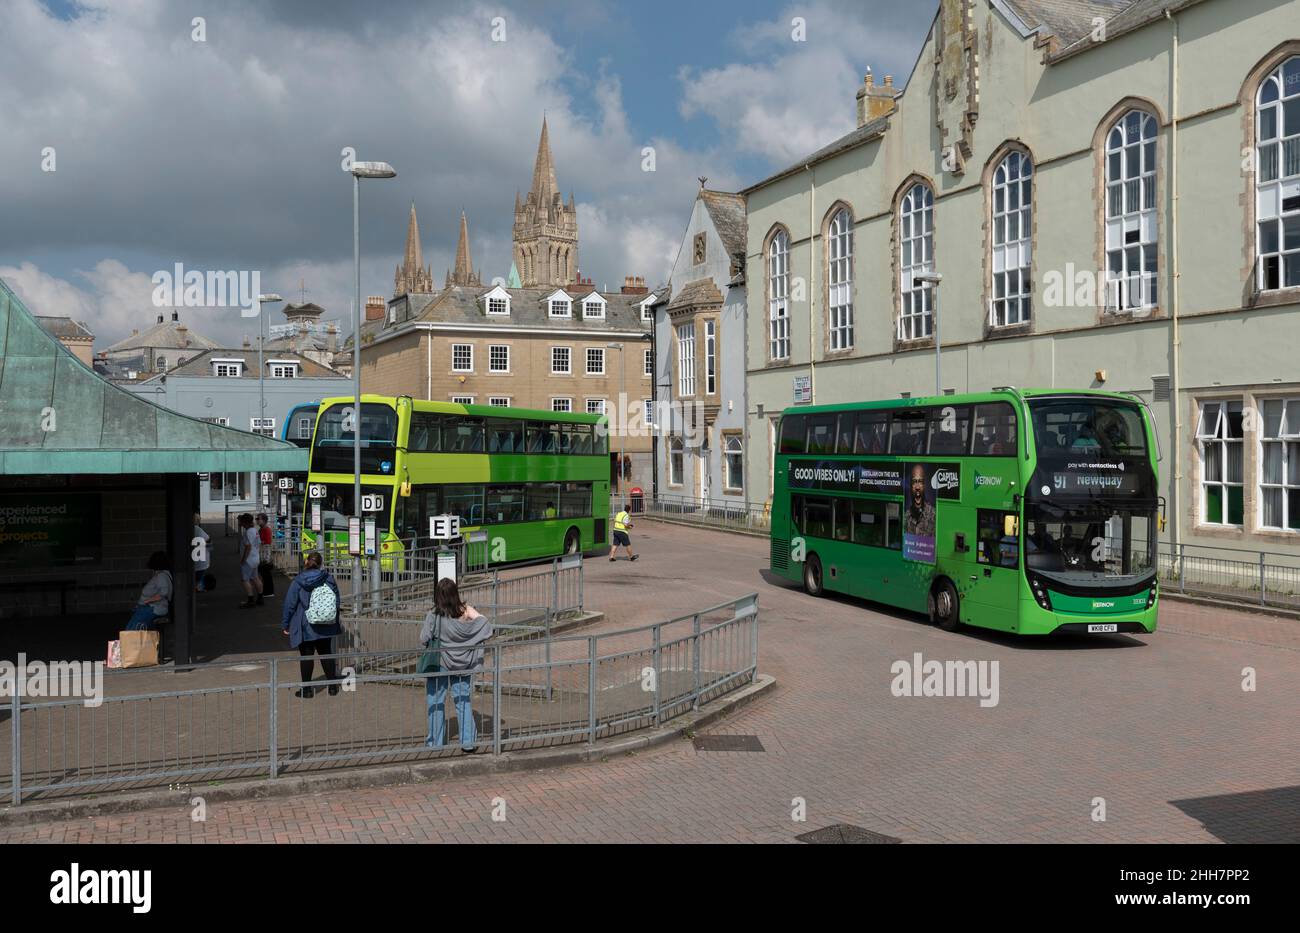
(224, 154)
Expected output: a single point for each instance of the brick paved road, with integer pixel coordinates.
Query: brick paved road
(1158, 726)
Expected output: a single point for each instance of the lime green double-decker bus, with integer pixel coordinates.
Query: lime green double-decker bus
(1027, 511)
(536, 481)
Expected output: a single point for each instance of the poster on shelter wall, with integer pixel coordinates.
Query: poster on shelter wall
(49, 530)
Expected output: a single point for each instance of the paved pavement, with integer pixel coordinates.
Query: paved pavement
(1156, 729)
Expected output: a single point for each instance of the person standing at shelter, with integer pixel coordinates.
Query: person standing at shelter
(460, 631)
(622, 522)
(249, 547)
(311, 627)
(204, 561)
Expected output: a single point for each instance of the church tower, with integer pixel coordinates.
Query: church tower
(546, 229)
(412, 275)
(464, 273)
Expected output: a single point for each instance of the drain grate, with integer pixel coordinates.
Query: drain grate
(846, 834)
(728, 743)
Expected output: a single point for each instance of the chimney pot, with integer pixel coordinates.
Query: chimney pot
(869, 79)
(889, 80)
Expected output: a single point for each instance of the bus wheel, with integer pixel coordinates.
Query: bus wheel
(572, 541)
(944, 608)
(812, 576)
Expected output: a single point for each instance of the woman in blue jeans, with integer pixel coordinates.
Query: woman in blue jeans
(462, 632)
(155, 598)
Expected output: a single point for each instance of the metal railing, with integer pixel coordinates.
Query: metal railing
(247, 719)
(725, 513)
(1269, 578)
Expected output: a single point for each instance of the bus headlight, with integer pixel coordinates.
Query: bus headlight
(1040, 593)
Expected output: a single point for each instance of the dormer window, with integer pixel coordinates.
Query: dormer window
(283, 369)
(496, 303)
(593, 307)
(232, 369)
(647, 312)
(559, 305)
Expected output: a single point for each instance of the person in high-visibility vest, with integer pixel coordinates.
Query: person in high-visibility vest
(622, 522)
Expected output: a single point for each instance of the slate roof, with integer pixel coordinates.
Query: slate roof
(727, 211)
(863, 134)
(1122, 16)
(460, 304)
(64, 328)
(201, 365)
(101, 427)
(700, 293)
(166, 335)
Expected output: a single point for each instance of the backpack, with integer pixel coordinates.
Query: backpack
(323, 607)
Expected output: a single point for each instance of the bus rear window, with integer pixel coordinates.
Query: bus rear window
(793, 429)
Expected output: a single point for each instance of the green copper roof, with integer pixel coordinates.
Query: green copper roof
(514, 278)
(57, 416)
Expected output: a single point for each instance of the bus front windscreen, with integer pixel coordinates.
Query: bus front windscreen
(333, 449)
(1090, 508)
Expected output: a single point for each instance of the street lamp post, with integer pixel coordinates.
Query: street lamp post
(622, 434)
(359, 171)
(261, 364)
(932, 280)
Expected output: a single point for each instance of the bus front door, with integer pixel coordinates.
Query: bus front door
(991, 591)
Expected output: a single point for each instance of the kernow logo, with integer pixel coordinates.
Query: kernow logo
(80, 885)
(983, 480)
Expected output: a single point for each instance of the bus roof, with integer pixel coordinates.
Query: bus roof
(488, 411)
(1000, 394)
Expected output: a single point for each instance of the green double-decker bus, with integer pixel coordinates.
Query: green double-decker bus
(1026, 511)
(536, 481)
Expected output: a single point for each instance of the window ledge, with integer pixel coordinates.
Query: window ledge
(1276, 296)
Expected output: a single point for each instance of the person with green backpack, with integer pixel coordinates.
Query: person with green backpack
(311, 620)
(451, 639)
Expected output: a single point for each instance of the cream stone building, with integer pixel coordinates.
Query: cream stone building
(1111, 193)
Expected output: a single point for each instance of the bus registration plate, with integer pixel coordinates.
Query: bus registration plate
(1104, 627)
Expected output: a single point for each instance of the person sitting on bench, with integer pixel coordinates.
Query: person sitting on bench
(155, 598)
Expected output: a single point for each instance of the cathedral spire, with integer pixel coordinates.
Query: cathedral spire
(414, 260)
(411, 275)
(464, 267)
(544, 183)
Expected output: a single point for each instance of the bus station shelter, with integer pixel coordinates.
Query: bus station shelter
(94, 479)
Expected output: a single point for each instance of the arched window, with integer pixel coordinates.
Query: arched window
(1277, 176)
(1012, 243)
(778, 296)
(735, 462)
(161, 364)
(1131, 213)
(839, 278)
(675, 466)
(915, 256)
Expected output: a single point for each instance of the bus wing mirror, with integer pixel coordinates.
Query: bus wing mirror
(1010, 526)
(1161, 521)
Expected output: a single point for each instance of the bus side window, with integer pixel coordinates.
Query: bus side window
(818, 517)
(907, 432)
(869, 523)
(843, 519)
(950, 430)
(893, 526)
(995, 430)
(844, 436)
(871, 433)
(796, 513)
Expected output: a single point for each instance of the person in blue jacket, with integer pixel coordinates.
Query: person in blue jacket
(311, 636)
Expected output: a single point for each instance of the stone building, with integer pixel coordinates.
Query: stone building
(74, 335)
(574, 349)
(167, 344)
(1111, 193)
(700, 357)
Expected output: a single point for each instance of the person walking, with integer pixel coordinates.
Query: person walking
(461, 631)
(622, 522)
(311, 620)
(155, 598)
(249, 547)
(265, 565)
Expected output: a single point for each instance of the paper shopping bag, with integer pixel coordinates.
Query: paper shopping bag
(139, 649)
(114, 658)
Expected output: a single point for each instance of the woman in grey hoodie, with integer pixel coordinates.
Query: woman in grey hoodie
(462, 632)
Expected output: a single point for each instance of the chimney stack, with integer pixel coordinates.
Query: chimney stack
(160, 319)
(176, 315)
(876, 101)
(375, 305)
(634, 285)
